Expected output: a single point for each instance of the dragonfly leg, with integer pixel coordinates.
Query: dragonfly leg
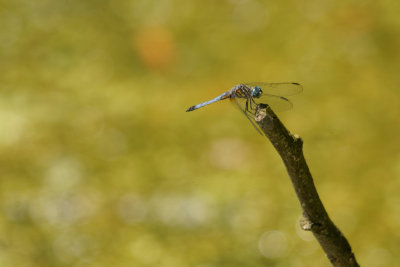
(252, 105)
(247, 110)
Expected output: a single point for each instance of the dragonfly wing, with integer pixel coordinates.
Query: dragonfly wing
(241, 104)
(277, 103)
(284, 89)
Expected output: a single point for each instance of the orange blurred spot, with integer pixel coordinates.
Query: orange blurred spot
(355, 20)
(156, 47)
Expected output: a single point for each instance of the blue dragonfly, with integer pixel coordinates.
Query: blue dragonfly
(248, 96)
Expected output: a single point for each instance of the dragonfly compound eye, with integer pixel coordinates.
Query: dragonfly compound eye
(256, 92)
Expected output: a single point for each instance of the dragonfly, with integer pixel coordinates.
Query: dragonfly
(248, 96)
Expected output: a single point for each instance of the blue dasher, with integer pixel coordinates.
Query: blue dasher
(248, 96)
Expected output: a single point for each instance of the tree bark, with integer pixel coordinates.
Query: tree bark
(315, 218)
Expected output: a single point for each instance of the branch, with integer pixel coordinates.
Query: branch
(315, 218)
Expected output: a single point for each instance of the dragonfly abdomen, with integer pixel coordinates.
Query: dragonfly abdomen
(218, 98)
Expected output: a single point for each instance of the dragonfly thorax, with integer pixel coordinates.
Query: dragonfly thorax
(256, 91)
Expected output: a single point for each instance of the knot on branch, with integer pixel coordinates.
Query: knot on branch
(305, 224)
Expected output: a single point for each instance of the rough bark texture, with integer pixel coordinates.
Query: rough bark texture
(315, 217)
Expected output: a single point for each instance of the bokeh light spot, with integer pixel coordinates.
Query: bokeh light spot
(131, 208)
(156, 47)
(229, 153)
(12, 127)
(272, 244)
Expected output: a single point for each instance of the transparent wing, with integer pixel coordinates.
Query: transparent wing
(277, 103)
(280, 89)
(244, 109)
(244, 105)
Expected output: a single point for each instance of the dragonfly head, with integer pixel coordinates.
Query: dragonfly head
(256, 92)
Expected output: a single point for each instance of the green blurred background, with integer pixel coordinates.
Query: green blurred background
(101, 166)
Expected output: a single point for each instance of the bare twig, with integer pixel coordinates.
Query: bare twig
(315, 217)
